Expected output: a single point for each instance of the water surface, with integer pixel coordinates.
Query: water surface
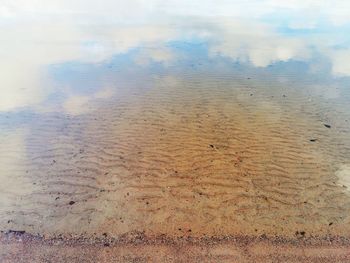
(172, 119)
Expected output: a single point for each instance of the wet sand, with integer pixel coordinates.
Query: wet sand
(208, 156)
(228, 162)
(135, 247)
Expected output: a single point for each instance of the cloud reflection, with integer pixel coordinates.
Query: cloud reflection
(41, 33)
(257, 43)
(76, 104)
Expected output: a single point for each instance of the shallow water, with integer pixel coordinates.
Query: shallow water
(194, 126)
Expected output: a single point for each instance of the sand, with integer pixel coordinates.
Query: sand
(219, 166)
(136, 247)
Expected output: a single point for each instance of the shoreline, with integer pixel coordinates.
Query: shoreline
(136, 247)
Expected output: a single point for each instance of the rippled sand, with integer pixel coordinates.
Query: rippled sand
(193, 155)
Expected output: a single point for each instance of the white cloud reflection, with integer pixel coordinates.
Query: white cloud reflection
(340, 60)
(258, 44)
(160, 55)
(39, 33)
(76, 104)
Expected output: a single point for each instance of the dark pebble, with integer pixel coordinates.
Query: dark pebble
(300, 233)
(71, 203)
(327, 126)
(16, 232)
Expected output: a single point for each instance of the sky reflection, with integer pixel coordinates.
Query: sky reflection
(40, 35)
